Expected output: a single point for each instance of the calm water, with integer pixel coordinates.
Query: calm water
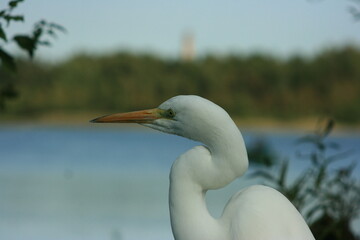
(103, 182)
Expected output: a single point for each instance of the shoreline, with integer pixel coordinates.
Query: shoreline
(301, 125)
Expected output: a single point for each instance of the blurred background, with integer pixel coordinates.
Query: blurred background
(288, 72)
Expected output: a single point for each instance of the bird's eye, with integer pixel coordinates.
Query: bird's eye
(170, 113)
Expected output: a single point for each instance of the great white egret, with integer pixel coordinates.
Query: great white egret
(255, 213)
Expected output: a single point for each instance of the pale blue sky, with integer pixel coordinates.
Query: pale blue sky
(280, 27)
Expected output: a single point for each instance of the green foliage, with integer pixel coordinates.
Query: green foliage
(328, 196)
(294, 191)
(260, 153)
(7, 60)
(246, 86)
(29, 43)
(26, 42)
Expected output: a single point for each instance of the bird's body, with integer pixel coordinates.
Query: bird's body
(255, 213)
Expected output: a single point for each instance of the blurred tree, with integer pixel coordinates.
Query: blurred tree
(247, 86)
(26, 42)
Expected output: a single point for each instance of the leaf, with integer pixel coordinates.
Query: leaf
(27, 43)
(312, 192)
(339, 156)
(7, 60)
(330, 123)
(2, 34)
(16, 18)
(57, 27)
(37, 34)
(300, 181)
(314, 210)
(345, 172)
(14, 3)
(320, 177)
(314, 159)
(320, 145)
(50, 32)
(44, 43)
(283, 173)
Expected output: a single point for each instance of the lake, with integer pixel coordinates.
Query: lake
(106, 182)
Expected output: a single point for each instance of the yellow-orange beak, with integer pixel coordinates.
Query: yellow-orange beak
(143, 116)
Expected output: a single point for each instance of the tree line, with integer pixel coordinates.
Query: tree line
(256, 85)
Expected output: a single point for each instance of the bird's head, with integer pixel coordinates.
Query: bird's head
(189, 116)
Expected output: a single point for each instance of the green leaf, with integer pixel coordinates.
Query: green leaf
(26, 43)
(2, 34)
(44, 43)
(50, 32)
(320, 177)
(299, 183)
(37, 33)
(313, 210)
(14, 3)
(283, 173)
(58, 27)
(339, 156)
(16, 18)
(7, 60)
(314, 159)
(330, 123)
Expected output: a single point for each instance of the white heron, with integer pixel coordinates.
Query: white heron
(255, 213)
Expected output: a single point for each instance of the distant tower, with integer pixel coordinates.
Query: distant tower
(188, 47)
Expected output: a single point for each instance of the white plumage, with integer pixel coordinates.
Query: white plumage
(255, 213)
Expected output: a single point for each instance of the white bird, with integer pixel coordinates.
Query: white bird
(255, 213)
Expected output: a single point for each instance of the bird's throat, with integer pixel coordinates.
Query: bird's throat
(198, 170)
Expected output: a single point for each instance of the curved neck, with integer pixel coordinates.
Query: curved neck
(198, 170)
(226, 160)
